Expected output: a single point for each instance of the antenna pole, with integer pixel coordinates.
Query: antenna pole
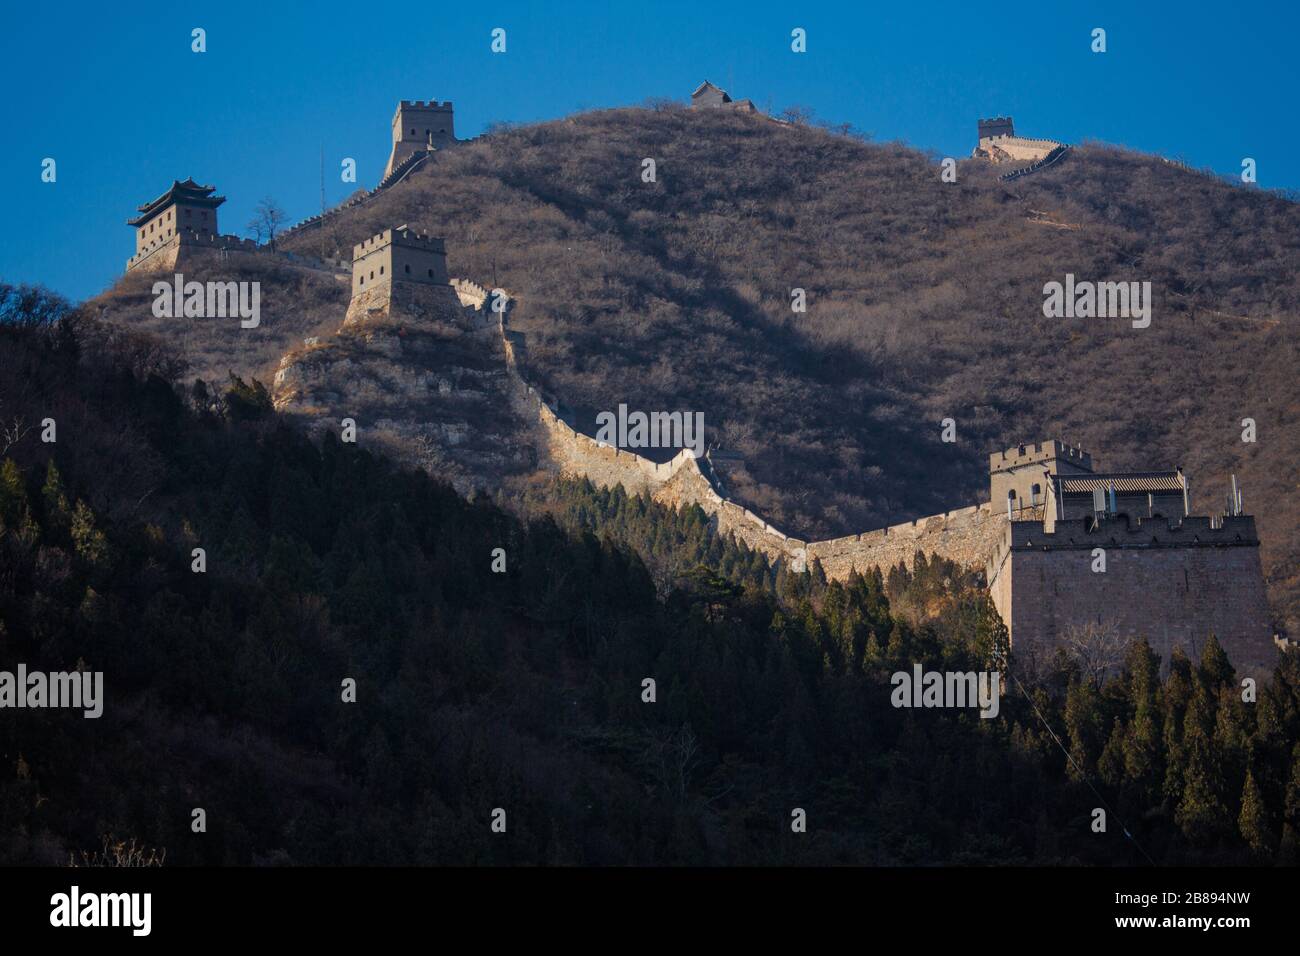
(321, 227)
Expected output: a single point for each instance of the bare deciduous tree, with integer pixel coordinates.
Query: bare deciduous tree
(1098, 648)
(798, 115)
(671, 758)
(12, 434)
(267, 220)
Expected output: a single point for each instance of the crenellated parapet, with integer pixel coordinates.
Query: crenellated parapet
(424, 105)
(1123, 531)
(1036, 452)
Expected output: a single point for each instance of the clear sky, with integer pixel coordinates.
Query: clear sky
(114, 94)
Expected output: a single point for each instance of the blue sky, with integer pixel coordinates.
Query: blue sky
(114, 94)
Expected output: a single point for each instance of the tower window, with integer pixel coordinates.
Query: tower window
(408, 270)
(381, 270)
(430, 273)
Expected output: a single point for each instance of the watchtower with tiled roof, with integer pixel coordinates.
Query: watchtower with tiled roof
(186, 208)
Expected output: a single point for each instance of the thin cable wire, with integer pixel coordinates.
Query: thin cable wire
(1082, 774)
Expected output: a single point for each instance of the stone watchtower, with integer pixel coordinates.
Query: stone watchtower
(1021, 477)
(1091, 555)
(185, 211)
(995, 128)
(418, 126)
(400, 273)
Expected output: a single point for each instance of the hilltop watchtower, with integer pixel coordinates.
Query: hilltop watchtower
(995, 128)
(420, 126)
(401, 273)
(185, 210)
(707, 95)
(398, 255)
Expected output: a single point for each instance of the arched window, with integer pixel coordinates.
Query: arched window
(1035, 493)
(408, 270)
(430, 273)
(381, 270)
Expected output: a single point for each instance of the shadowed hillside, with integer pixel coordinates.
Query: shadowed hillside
(329, 570)
(924, 302)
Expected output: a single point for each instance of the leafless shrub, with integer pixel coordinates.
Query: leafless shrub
(119, 853)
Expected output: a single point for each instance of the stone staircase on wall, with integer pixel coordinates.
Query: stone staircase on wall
(1049, 160)
(400, 172)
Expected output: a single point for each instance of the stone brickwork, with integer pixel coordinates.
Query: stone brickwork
(401, 273)
(1172, 582)
(966, 536)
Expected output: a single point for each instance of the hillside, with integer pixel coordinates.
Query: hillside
(524, 689)
(925, 302)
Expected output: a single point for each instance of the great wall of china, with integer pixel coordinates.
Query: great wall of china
(967, 535)
(405, 314)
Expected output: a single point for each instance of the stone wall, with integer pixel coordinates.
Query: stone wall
(1019, 149)
(968, 536)
(165, 256)
(405, 301)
